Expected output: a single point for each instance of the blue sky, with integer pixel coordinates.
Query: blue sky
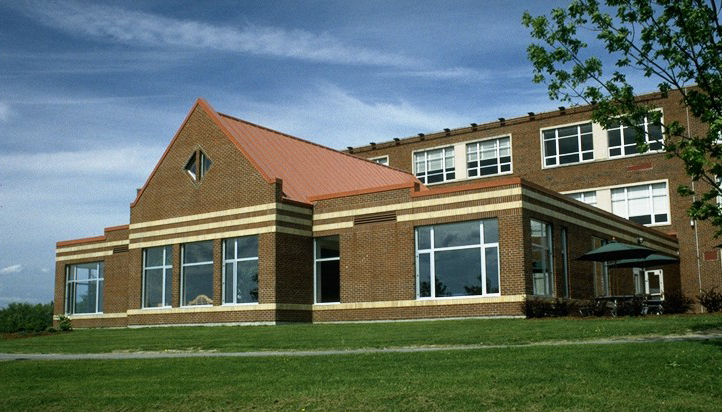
(91, 93)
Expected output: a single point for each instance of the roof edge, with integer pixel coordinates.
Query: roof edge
(362, 191)
(64, 243)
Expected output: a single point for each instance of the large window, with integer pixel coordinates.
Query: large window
(84, 288)
(458, 259)
(157, 276)
(488, 157)
(645, 204)
(542, 257)
(589, 198)
(623, 140)
(327, 269)
(240, 270)
(434, 166)
(571, 144)
(197, 274)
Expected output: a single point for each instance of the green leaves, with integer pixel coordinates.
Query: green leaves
(678, 42)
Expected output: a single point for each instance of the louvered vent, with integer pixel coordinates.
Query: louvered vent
(375, 218)
(120, 249)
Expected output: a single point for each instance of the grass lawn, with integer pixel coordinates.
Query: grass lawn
(676, 376)
(359, 335)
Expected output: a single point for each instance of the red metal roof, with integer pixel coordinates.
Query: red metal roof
(309, 171)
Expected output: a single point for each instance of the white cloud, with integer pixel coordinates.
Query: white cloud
(11, 269)
(132, 27)
(352, 120)
(5, 112)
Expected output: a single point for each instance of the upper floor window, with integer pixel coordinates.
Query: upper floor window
(623, 140)
(157, 276)
(84, 288)
(198, 165)
(645, 204)
(435, 166)
(589, 198)
(488, 157)
(384, 160)
(570, 144)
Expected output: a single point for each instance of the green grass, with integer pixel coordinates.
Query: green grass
(359, 335)
(681, 376)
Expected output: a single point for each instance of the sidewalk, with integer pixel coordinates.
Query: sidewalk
(180, 354)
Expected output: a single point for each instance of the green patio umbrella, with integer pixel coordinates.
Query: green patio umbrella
(655, 259)
(615, 251)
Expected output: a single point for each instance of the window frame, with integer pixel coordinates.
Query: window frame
(651, 202)
(580, 152)
(71, 287)
(316, 279)
(183, 274)
(235, 261)
(482, 246)
(583, 196)
(621, 146)
(548, 252)
(382, 160)
(499, 164)
(167, 271)
(201, 165)
(445, 171)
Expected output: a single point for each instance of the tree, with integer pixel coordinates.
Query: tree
(675, 42)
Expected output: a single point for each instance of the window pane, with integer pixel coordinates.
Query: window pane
(154, 256)
(247, 246)
(168, 286)
(198, 252)
(229, 291)
(247, 281)
(424, 275)
(550, 148)
(568, 131)
(457, 234)
(586, 128)
(328, 275)
(458, 272)
(153, 288)
(491, 230)
(198, 285)
(614, 138)
(327, 247)
(168, 255)
(492, 270)
(424, 236)
(84, 300)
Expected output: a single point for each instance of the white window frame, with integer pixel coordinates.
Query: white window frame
(444, 170)
(548, 252)
(556, 140)
(477, 151)
(235, 261)
(382, 160)
(432, 275)
(69, 306)
(182, 277)
(583, 197)
(625, 190)
(647, 140)
(315, 270)
(167, 271)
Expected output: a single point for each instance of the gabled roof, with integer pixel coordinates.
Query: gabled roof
(308, 170)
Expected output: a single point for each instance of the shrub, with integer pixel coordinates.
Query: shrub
(64, 324)
(633, 307)
(536, 307)
(25, 317)
(711, 300)
(676, 302)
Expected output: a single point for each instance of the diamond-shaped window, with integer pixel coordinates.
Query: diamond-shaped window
(198, 165)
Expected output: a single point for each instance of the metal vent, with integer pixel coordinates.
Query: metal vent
(375, 218)
(120, 249)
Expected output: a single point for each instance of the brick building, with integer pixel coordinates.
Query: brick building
(241, 224)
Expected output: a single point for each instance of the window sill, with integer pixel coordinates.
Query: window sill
(156, 307)
(327, 303)
(84, 314)
(195, 306)
(241, 304)
(488, 295)
(486, 176)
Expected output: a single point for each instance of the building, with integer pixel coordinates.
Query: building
(238, 223)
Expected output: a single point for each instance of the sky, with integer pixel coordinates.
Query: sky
(91, 93)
